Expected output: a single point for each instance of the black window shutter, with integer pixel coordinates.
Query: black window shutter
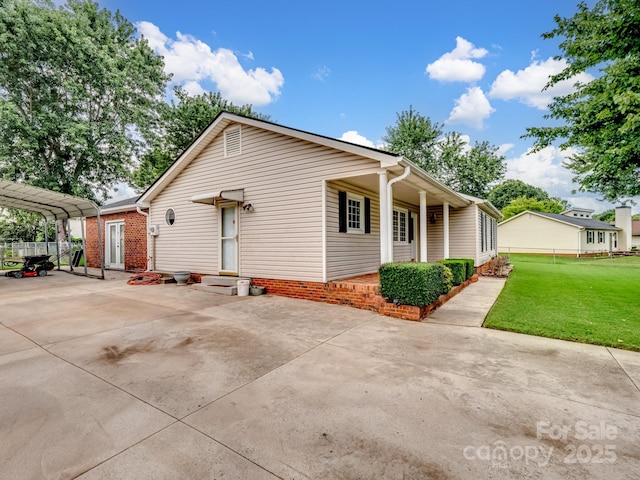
(410, 228)
(342, 211)
(367, 215)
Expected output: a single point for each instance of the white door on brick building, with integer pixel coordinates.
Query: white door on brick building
(114, 245)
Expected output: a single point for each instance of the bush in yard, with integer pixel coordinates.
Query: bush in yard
(470, 264)
(417, 284)
(458, 269)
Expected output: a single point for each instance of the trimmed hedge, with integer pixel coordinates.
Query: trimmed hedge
(470, 263)
(417, 284)
(458, 269)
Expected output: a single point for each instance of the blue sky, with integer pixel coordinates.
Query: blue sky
(345, 68)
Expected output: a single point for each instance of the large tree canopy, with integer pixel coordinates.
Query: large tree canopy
(502, 194)
(78, 91)
(602, 117)
(180, 123)
(519, 205)
(467, 169)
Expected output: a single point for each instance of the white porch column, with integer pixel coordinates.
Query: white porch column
(445, 220)
(407, 171)
(384, 216)
(423, 226)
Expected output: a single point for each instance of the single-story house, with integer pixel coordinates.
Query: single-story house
(572, 232)
(124, 237)
(256, 199)
(635, 234)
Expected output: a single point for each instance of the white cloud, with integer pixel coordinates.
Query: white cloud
(457, 65)
(192, 62)
(544, 169)
(321, 74)
(504, 148)
(352, 136)
(471, 109)
(526, 85)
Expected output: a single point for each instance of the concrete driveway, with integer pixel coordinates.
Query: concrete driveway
(101, 380)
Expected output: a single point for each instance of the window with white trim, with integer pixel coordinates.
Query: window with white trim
(400, 222)
(355, 209)
(590, 236)
(600, 237)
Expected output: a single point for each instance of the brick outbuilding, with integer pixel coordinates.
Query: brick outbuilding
(124, 235)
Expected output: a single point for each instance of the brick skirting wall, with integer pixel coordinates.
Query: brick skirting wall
(363, 296)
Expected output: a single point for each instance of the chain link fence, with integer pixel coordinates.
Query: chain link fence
(563, 256)
(11, 252)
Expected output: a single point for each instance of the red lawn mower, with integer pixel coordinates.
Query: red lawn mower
(33, 266)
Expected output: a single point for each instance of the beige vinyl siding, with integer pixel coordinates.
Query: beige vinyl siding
(489, 253)
(435, 234)
(464, 233)
(351, 254)
(534, 234)
(282, 178)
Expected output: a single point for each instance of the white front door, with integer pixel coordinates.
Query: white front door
(115, 245)
(228, 228)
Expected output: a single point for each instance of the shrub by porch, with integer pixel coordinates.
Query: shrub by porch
(416, 284)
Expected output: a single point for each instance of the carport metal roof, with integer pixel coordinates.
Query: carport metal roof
(51, 205)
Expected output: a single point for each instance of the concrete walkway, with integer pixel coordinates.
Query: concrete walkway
(470, 307)
(101, 380)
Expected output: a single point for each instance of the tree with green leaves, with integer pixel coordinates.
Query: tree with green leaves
(504, 192)
(449, 158)
(21, 226)
(609, 216)
(180, 123)
(78, 94)
(415, 138)
(520, 204)
(602, 117)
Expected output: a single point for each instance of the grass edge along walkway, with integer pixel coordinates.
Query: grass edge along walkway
(588, 301)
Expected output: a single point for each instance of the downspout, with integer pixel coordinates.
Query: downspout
(151, 244)
(407, 171)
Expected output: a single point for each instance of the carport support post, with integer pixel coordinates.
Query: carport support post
(46, 235)
(69, 242)
(57, 247)
(100, 246)
(423, 226)
(84, 245)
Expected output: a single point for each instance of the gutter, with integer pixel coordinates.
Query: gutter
(151, 242)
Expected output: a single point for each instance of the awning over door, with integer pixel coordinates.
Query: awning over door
(210, 198)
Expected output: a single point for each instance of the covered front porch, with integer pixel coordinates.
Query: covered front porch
(409, 216)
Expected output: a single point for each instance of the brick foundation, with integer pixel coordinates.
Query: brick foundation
(135, 240)
(363, 296)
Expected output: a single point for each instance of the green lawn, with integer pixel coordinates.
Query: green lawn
(583, 300)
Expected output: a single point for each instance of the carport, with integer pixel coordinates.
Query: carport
(52, 206)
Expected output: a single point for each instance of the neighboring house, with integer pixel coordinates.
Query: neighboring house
(256, 199)
(123, 233)
(635, 234)
(571, 232)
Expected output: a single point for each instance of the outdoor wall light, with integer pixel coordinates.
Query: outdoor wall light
(247, 207)
(432, 218)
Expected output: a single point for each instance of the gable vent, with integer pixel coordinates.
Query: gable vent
(232, 142)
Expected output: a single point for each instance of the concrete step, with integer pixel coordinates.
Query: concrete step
(219, 289)
(221, 280)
